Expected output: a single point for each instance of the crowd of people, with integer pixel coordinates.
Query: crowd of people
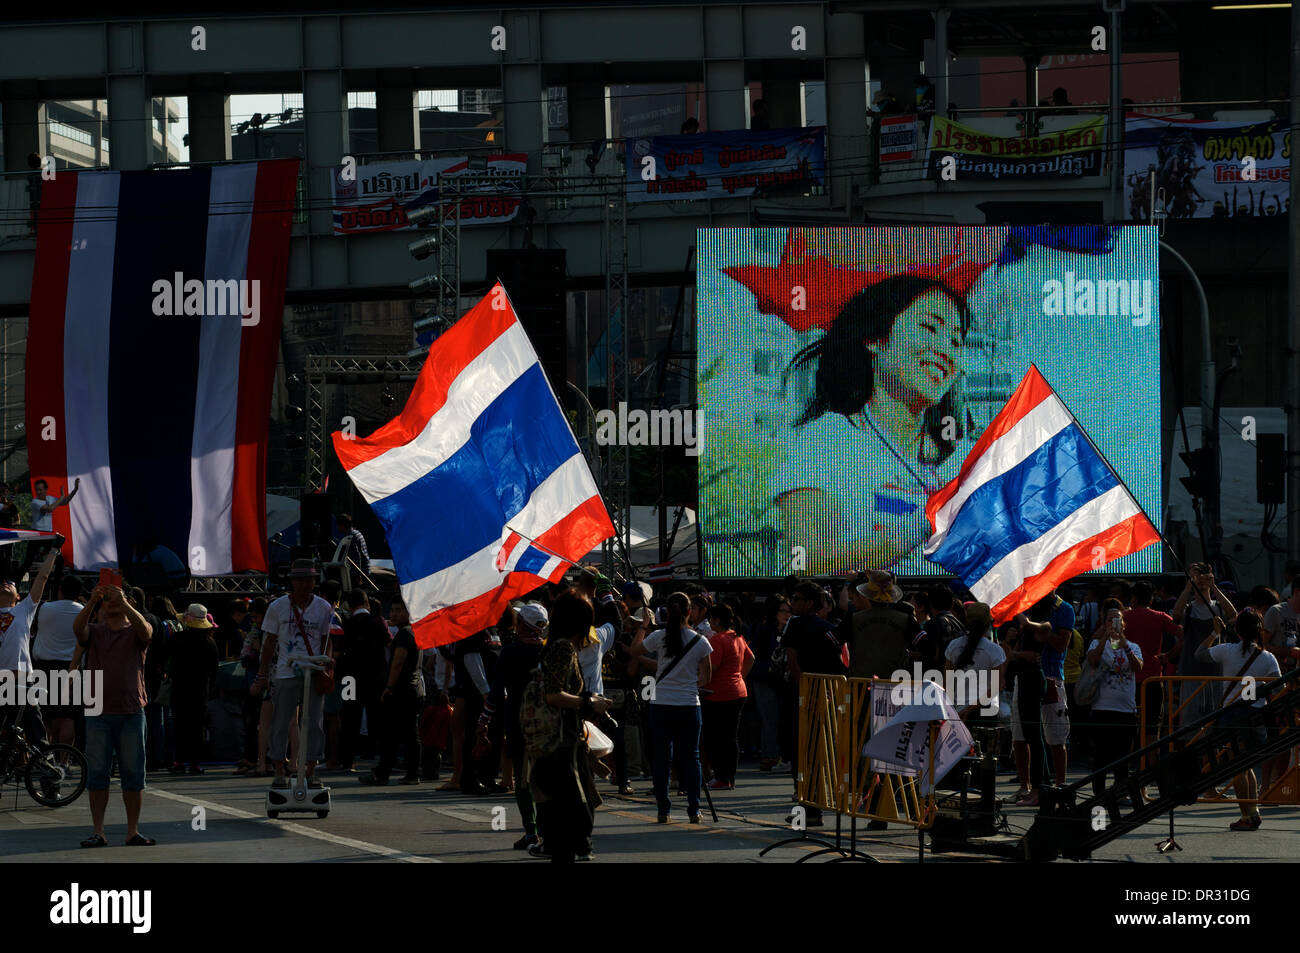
(657, 684)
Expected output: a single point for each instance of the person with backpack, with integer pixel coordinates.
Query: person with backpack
(883, 633)
(554, 707)
(1246, 658)
(683, 666)
(938, 632)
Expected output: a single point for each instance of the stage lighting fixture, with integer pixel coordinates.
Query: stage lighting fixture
(425, 214)
(422, 248)
(421, 285)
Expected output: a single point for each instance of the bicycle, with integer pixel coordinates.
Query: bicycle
(54, 774)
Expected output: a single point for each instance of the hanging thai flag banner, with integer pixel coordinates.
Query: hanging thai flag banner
(479, 483)
(155, 328)
(1035, 504)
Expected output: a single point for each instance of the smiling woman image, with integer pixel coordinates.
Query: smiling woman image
(882, 414)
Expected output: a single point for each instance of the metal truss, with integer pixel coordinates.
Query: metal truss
(243, 583)
(617, 470)
(324, 369)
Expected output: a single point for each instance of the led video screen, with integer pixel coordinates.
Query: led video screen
(845, 373)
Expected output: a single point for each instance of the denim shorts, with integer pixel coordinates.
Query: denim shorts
(123, 735)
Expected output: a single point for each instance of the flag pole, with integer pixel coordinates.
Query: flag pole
(1097, 450)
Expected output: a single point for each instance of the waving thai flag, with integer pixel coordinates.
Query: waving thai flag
(479, 482)
(154, 334)
(1035, 504)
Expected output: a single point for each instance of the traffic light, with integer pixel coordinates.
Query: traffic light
(1199, 480)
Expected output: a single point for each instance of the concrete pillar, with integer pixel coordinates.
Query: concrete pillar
(523, 88)
(398, 117)
(24, 132)
(846, 124)
(325, 112)
(209, 126)
(942, 62)
(724, 88)
(130, 122)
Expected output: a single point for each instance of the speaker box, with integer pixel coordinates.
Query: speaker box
(1270, 467)
(534, 279)
(316, 520)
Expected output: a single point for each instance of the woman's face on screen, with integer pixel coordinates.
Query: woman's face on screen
(920, 358)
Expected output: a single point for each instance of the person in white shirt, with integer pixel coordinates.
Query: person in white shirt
(44, 505)
(976, 652)
(698, 617)
(295, 624)
(15, 644)
(53, 649)
(683, 666)
(1245, 659)
(1114, 710)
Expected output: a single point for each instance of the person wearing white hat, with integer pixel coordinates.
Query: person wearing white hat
(295, 624)
(515, 666)
(192, 667)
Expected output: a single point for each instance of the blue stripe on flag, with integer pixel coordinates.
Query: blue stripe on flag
(1024, 503)
(162, 226)
(462, 506)
(531, 561)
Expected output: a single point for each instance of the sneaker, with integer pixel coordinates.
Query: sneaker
(589, 856)
(626, 790)
(718, 785)
(782, 767)
(697, 818)
(538, 851)
(664, 818)
(1028, 799)
(525, 842)
(1247, 824)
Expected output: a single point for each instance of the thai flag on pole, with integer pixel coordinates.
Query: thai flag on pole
(1034, 505)
(147, 376)
(479, 483)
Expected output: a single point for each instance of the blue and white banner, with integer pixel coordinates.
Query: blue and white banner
(720, 165)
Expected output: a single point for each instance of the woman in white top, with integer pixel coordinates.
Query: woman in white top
(1243, 659)
(884, 397)
(1114, 710)
(683, 666)
(976, 652)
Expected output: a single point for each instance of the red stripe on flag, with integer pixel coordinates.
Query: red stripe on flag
(48, 459)
(259, 347)
(1033, 390)
(448, 356)
(572, 537)
(1130, 536)
(503, 556)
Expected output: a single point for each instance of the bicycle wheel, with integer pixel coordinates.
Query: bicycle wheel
(56, 775)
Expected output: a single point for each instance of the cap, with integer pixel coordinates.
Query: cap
(642, 615)
(533, 615)
(639, 591)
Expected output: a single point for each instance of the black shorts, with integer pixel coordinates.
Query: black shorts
(49, 667)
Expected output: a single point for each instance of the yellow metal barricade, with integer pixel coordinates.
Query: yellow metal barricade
(872, 795)
(821, 714)
(1184, 691)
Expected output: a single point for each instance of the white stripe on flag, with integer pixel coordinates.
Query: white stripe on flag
(86, 337)
(558, 495)
(216, 403)
(1033, 430)
(482, 381)
(1094, 517)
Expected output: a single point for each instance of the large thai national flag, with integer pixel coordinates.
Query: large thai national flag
(1034, 505)
(163, 417)
(479, 482)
